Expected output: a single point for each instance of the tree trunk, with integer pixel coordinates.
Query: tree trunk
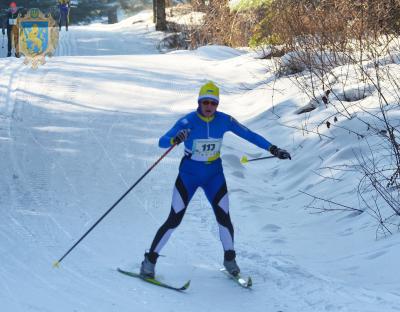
(161, 23)
(112, 15)
(112, 12)
(154, 10)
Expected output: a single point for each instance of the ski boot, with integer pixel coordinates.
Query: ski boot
(8, 54)
(147, 269)
(230, 263)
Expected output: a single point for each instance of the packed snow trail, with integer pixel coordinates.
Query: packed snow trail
(77, 132)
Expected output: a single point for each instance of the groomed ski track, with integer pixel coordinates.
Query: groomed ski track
(77, 132)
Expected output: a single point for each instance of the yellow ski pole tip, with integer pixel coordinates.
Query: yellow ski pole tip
(244, 160)
(56, 264)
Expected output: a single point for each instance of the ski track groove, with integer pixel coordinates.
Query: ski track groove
(10, 99)
(70, 87)
(34, 183)
(52, 82)
(37, 183)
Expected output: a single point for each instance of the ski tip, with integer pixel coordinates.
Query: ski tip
(56, 264)
(186, 286)
(244, 160)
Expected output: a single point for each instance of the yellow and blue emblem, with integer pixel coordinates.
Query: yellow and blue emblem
(35, 36)
(38, 37)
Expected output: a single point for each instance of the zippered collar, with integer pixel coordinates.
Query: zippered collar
(204, 118)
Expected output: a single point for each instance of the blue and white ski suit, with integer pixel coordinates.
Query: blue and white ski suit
(202, 167)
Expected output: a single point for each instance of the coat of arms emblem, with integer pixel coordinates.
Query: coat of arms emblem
(38, 37)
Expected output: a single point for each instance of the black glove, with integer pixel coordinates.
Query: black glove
(181, 136)
(280, 153)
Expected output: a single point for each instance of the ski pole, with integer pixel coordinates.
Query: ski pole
(245, 160)
(56, 264)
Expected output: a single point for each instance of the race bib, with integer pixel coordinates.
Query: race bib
(12, 21)
(206, 149)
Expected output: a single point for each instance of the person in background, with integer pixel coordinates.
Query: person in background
(10, 23)
(2, 31)
(202, 132)
(64, 6)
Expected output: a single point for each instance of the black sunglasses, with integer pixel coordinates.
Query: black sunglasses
(207, 102)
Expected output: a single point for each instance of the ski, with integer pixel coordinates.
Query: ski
(240, 280)
(154, 281)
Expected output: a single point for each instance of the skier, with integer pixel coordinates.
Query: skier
(63, 5)
(10, 22)
(202, 132)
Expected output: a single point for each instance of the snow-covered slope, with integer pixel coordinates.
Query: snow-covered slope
(77, 133)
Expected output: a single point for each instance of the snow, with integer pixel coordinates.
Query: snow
(79, 131)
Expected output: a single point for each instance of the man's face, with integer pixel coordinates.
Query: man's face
(208, 107)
